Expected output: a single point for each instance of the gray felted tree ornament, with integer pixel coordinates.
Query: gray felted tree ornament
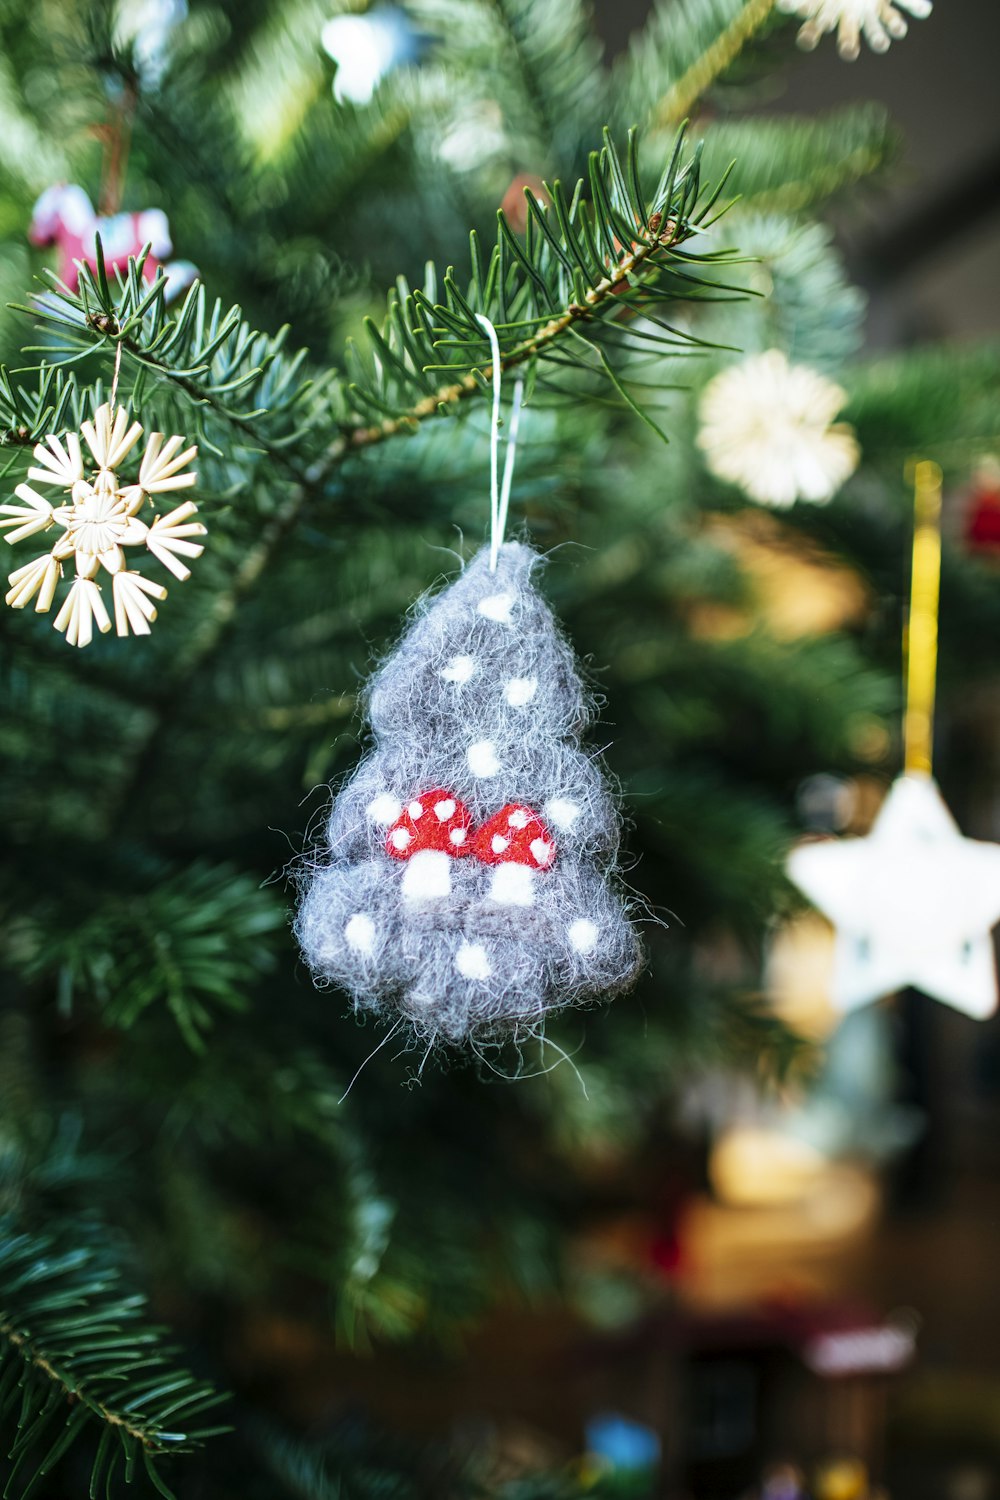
(469, 885)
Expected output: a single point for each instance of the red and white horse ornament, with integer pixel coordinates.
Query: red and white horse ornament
(64, 216)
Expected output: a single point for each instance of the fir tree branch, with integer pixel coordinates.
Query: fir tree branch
(517, 23)
(795, 197)
(191, 942)
(75, 1354)
(585, 261)
(26, 416)
(537, 345)
(687, 48)
(786, 164)
(581, 263)
(821, 184)
(205, 639)
(544, 63)
(682, 97)
(71, 1390)
(440, 400)
(939, 401)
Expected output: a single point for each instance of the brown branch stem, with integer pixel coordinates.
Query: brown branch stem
(74, 1391)
(679, 100)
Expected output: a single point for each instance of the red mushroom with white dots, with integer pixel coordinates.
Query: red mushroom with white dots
(517, 843)
(432, 828)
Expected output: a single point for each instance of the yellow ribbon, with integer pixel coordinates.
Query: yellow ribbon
(921, 636)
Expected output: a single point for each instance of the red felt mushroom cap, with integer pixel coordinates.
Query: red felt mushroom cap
(515, 836)
(432, 820)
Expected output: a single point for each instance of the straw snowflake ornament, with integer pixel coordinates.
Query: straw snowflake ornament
(99, 520)
(878, 21)
(768, 426)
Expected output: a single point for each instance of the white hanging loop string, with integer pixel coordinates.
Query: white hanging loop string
(114, 381)
(491, 334)
(509, 456)
(500, 494)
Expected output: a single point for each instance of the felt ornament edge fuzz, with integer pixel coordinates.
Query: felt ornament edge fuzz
(468, 886)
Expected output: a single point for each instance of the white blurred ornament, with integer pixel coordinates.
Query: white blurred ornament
(768, 426)
(476, 134)
(878, 21)
(365, 48)
(913, 904)
(148, 25)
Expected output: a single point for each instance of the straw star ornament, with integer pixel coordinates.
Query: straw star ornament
(101, 518)
(914, 903)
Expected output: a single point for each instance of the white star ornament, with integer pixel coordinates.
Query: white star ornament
(913, 904)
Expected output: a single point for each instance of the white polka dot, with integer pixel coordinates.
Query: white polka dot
(444, 809)
(401, 838)
(427, 876)
(520, 690)
(582, 934)
(459, 669)
(458, 835)
(519, 819)
(512, 885)
(498, 843)
(415, 810)
(385, 809)
(471, 961)
(497, 607)
(360, 933)
(541, 851)
(562, 812)
(482, 758)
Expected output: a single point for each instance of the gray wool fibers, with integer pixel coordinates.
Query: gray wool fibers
(480, 707)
